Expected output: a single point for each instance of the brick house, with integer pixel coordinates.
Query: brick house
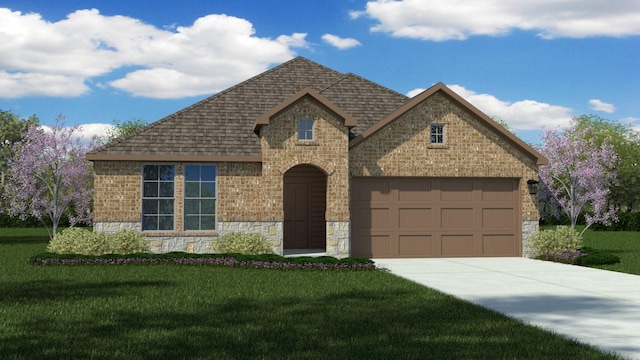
(316, 159)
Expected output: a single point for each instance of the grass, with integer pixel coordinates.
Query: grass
(172, 311)
(625, 244)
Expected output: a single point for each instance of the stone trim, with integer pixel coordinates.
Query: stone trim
(529, 228)
(338, 238)
(111, 227)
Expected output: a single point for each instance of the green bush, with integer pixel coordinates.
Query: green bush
(84, 242)
(562, 239)
(127, 242)
(242, 243)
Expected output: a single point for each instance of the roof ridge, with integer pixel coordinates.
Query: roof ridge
(207, 99)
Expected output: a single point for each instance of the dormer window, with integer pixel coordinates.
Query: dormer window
(437, 134)
(305, 129)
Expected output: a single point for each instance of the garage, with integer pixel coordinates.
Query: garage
(435, 217)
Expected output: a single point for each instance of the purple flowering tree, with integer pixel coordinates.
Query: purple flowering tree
(50, 177)
(578, 176)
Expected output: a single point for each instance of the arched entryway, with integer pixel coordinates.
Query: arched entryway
(305, 204)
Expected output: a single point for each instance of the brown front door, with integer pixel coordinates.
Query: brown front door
(296, 223)
(304, 201)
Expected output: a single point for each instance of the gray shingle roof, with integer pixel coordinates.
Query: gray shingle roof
(222, 125)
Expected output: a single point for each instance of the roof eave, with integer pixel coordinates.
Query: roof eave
(172, 158)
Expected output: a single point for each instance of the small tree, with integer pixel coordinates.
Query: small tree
(123, 129)
(50, 176)
(578, 175)
(12, 130)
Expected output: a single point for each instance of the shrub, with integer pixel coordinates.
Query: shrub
(84, 242)
(562, 239)
(78, 241)
(242, 243)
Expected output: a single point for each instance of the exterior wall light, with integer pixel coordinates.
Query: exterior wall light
(533, 186)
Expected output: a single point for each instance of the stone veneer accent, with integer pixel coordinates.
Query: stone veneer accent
(338, 238)
(529, 228)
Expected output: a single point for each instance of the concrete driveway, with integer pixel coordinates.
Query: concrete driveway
(597, 307)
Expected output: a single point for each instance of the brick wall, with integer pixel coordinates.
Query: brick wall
(403, 148)
(117, 191)
(281, 150)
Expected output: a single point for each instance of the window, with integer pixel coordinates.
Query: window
(157, 197)
(305, 129)
(437, 134)
(200, 197)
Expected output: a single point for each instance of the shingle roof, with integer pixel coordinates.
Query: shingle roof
(222, 125)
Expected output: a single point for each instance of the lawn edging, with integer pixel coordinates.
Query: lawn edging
(265, 261)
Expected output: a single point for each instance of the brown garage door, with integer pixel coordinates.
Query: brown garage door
(435, 217)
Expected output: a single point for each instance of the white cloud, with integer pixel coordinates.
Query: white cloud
(519, 115)
(415, 92)
(440, 20)
(598, 105)
(85, 132)
(340, 43)
(60, 58)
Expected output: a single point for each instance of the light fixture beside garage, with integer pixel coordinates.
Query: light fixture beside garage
(533, 186)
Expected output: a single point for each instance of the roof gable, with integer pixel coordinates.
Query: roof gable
(264, 119)
(475, 112)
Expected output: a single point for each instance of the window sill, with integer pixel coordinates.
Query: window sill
(438, 146)
(151, 233)
(307, 143)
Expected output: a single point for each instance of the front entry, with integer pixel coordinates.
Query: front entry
(304, 200)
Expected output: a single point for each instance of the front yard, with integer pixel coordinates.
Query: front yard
(177, 311)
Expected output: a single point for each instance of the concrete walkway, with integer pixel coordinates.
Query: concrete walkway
(597, 307)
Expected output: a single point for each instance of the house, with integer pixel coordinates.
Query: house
(316, 159)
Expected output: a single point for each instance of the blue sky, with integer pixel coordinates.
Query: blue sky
(534, 64)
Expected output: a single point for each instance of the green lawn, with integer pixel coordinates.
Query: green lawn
(175, 312)
(625, 244)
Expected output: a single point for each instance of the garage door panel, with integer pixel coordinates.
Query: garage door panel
(415, 245)
(498, 218)
(372, 218)
(497, 190)
(414, 218)
(498, 245)
(459, 190)
(377, 190)
(457, 245)
(414, 191)
(435, 217)
(456, 218)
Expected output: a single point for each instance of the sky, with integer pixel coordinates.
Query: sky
(535, 64)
